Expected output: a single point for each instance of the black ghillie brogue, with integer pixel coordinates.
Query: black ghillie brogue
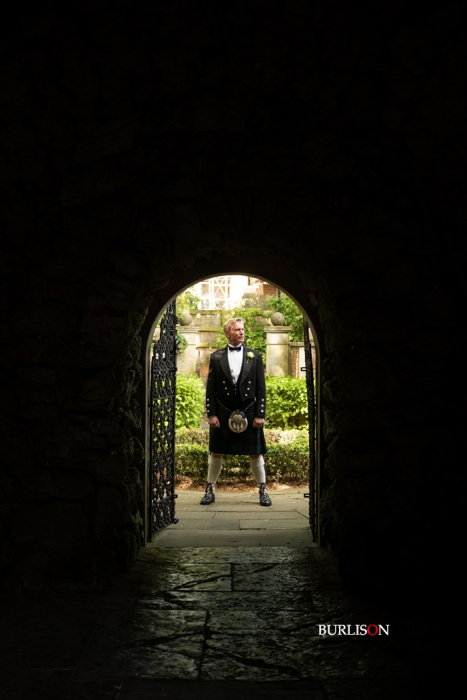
(264, 499)
(209, 497)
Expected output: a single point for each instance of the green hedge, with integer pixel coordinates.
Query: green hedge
(190, 436)
(286, 459)
(189, 398)
(286, 401)
(287, 404)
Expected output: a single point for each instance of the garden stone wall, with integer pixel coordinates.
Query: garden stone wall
(308, 145)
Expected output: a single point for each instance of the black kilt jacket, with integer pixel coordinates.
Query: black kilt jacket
(223, 397)
(250, 385)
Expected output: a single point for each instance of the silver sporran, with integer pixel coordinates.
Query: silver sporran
(238, 422)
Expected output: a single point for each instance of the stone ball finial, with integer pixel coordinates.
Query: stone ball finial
(185, 319)
(277, 319)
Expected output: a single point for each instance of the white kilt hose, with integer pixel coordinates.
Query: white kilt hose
(256, 464)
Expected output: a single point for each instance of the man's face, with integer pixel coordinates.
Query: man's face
(236, 334)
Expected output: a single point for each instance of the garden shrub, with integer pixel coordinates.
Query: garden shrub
(201, 436)
(287, 457)
(288, 462)
(287, 403)
(283, 437)
(190, 436)
(189, 398)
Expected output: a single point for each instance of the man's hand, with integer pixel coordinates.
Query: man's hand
(258, 422)
(214, 422)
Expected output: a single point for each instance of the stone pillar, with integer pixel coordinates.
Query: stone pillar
(206, 346)
(208, 323)
(187, 361)
(277, 351)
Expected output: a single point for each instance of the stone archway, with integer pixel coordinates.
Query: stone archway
(138, 147)
(215, 267)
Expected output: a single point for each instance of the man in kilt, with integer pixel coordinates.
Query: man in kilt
(236, 408)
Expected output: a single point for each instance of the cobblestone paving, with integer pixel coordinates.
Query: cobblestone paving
(211, 622)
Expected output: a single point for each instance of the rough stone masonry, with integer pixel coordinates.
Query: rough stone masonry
(143, 142)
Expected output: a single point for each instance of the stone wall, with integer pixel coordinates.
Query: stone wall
(308, 145)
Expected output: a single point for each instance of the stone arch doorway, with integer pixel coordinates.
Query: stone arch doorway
(130, 169)
(166, 297)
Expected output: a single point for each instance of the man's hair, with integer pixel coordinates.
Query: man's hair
(228, 324)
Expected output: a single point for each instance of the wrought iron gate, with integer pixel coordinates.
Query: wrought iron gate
(310, 388)
(162, 433)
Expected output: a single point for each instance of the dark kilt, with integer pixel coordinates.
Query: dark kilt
(224, 441)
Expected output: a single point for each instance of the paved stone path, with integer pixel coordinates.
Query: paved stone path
(233, 617)
(236, 519)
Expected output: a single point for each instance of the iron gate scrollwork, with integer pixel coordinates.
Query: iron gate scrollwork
(162, 414)
(310, 388)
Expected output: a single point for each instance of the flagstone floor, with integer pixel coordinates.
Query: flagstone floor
(226, 604)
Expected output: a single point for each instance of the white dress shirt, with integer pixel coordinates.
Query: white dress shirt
(235, 363)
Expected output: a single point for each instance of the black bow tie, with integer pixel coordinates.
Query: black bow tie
(238, 348)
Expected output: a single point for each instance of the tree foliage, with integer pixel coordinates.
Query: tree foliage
(255, 300)
(292, 314)
(187, 300)
(257, 309)
(255, 337)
